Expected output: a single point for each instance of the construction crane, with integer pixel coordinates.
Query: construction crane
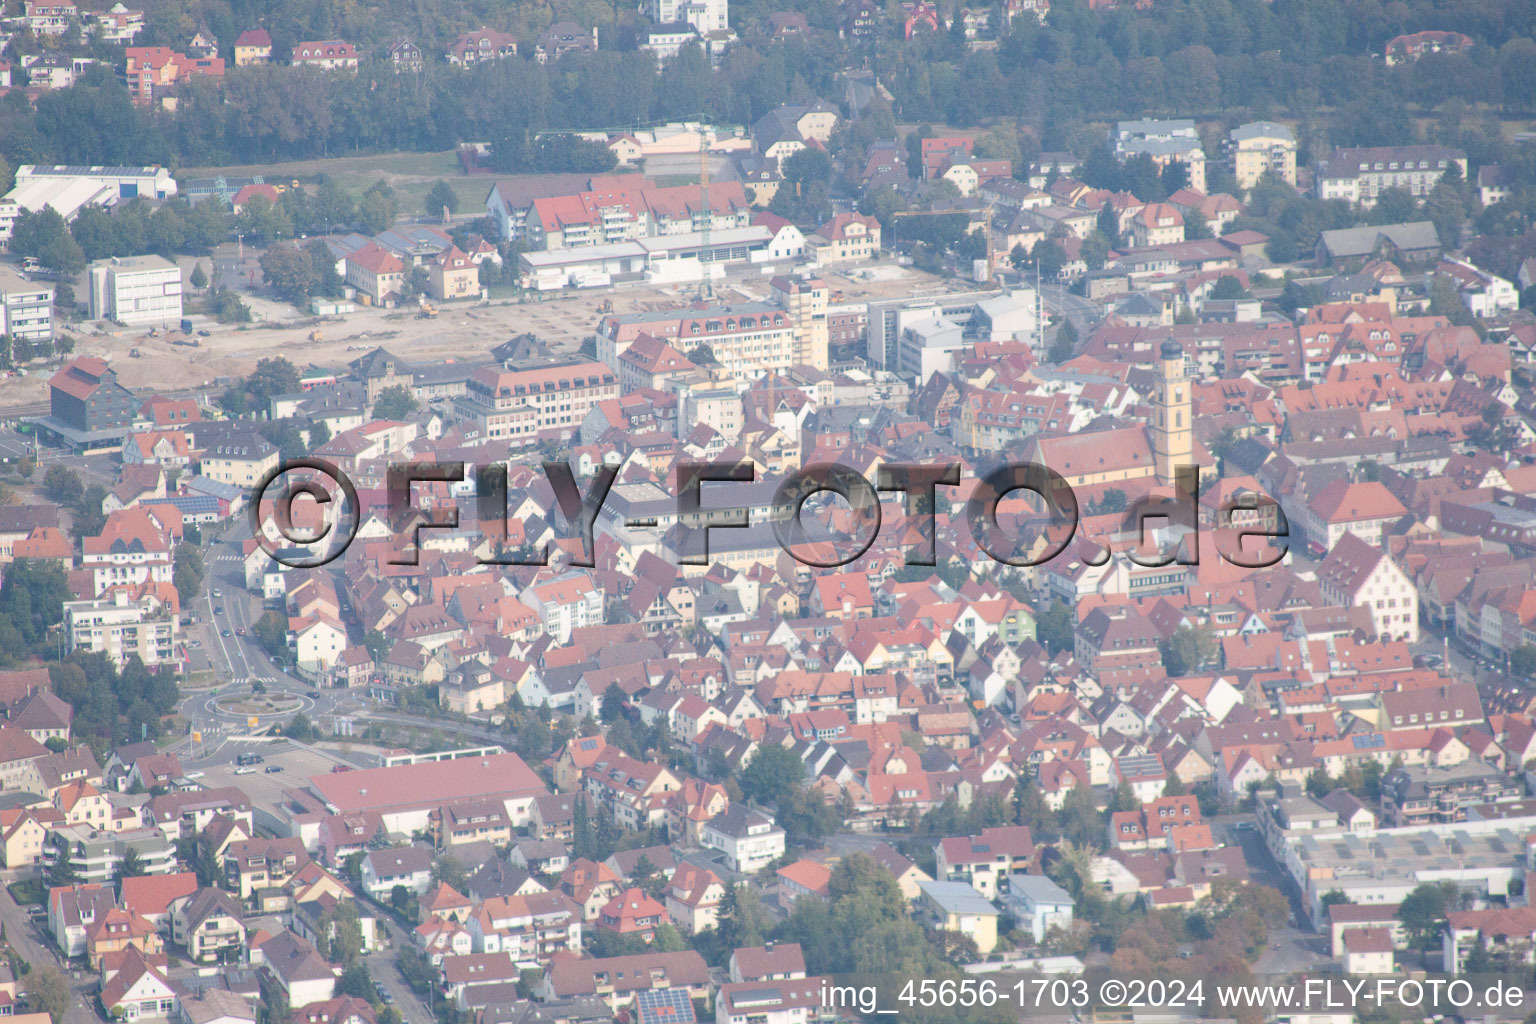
(706, 288)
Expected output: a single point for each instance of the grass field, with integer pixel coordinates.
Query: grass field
(410, 174)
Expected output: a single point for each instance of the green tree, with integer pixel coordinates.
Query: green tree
(1423, 911)
(199, 278)
(44, 235)
(131, 865)
(612, 707)
(1228, 287)
(1054, 628)
(290, 272)
(356, 981)
(1049, 257)
(394, 403)
(62, 485)
(441, 197)
(1095, 251)
(327, 280)
(188, 574)
(771, 774)
(271, 631)
(1196, 226)
(1064, 347)
(1522, 661)
(378, 209)
(1188, 651)
(48, 991)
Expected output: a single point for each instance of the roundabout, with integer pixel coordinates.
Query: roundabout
(245, 704)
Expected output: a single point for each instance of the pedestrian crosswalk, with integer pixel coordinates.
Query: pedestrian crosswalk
(248, 680)
(227, 558)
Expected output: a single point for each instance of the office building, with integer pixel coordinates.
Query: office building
(136, 290)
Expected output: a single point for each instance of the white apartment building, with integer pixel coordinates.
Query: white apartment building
(136, 290)
(1166, 142)
(26, 308)
(119, 626)
(1361, 175)
(567, 602)
(704, 15)
(749, 839)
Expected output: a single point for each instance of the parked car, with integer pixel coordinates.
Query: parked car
(245, 770)
(273, 769)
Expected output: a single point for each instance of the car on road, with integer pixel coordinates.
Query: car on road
(225, 632)
(194, 775)
(217, 592)
(385, 995)
(245, 769)
(313, 694)
(239, 631)
(273, 769)
(218, 609)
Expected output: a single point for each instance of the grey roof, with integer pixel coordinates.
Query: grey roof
(1261, 130)
(1038, 889)
(957, 898)
(1346, 242)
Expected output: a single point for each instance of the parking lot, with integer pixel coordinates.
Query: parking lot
(263, 785)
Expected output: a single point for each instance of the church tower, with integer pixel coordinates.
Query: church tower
(1173, 435)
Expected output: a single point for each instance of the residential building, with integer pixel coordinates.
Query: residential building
(328, 54)
(403, 56)
(846, 237)
(239, 459)
(1037, 905)
(481, 45)
(984, 860)
(1259, 148)
(788, 1001)
(208, 924)
(1361, 175)
(49, 17)
(749, 839)
(136, 290)
(408, 866)
(152, 70)
(1157, 224)
(956, 907)
(129, 621)
(377, 273)
(1166, 142)
(454, 276)
(704, 15)
(632, 912)
(253, 46)
(521, 405)
(1430, 794)
(1356, 574)
(117, 23)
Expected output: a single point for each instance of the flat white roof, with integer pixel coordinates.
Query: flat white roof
(695, 239)
(64, 195)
